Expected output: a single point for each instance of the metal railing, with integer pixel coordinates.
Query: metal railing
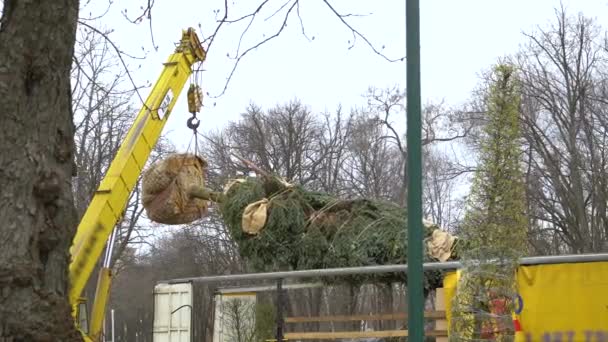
(343, 271)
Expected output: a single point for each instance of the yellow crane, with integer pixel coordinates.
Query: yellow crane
(107, 206)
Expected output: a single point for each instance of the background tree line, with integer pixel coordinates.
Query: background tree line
(360, 152)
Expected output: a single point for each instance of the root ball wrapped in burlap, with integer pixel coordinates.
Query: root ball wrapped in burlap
(165, 187)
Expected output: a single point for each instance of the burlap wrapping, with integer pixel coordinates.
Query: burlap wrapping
(254, 217)
(165, 189)
(440, 245)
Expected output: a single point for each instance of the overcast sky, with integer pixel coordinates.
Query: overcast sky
(458, 40)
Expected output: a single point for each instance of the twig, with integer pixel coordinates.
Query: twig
(248, 15)
(302, 23)
(212, 37)
(355, 15)
(146, 13)
(279, 10)
(120, 53)
(357, 33)
(91, 18)
(238, 59)
(248, 26)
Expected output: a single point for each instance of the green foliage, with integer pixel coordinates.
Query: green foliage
(265, 321)
(496, 217)
(274, 247)
(495, 224)
(306, 230)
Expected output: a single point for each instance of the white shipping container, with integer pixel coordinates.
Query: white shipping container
(172, 313)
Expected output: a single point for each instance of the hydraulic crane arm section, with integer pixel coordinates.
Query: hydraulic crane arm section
(107, 206)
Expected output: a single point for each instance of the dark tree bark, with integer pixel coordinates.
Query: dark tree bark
(36, 165)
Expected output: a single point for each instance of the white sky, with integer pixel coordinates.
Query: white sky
(458, 40)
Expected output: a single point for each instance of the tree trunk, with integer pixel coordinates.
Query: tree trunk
(37, 212)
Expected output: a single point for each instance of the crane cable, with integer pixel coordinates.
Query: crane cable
(194, 106)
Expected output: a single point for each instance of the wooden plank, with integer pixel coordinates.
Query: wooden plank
(377, 317)
(441, 324)
(355, 334)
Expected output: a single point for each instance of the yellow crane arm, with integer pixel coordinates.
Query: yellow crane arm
(110, 200)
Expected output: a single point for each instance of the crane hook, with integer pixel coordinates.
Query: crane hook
(192, 124)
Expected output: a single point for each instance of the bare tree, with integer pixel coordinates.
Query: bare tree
(441, 126)
(102, 111)
(564, 69)
(284, 140)
(239, 320)
(442, 205)
(374, 166)
(333, 151)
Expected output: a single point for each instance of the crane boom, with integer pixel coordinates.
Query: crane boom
(107, 206)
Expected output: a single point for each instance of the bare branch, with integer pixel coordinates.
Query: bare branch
(302, 23)
(221, 22)
(252, 14)
(238, 59)
(92, 18)
(289, 5)
(358, 34)
(278, 10)
(147, 14)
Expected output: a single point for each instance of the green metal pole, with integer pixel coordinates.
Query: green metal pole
(414, 182)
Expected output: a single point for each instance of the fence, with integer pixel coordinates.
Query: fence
(284, 325)
(334, 335)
